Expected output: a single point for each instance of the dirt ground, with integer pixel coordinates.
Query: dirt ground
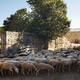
(54, 76)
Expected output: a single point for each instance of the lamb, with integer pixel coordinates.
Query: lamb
(7, 66)
(44, 66)
(27, 66)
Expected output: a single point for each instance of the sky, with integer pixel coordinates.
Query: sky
(8, 7)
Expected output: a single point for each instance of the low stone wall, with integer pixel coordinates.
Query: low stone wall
(61, 43)
(27, 40)
(22, 40)
(73, 37)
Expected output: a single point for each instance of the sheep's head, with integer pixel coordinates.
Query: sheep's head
(16, 70)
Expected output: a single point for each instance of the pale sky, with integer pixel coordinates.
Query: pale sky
(73, 9)
(8, 7)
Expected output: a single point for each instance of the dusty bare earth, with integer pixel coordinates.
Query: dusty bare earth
(54, 76)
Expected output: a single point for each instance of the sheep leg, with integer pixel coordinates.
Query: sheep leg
(5, 72)
(63, 68)
(22, 72)
(28, 71)
(56, 68)
(69, 68)
(11, 72)
(37, 72)
(32, 72)
(2, 72)
(59, 66)
(53, 69)
(48, 72)
(78, 69)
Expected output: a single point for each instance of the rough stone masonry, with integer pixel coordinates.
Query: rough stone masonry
(27, 40)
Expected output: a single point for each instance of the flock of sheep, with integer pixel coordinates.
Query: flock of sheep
(51, 61)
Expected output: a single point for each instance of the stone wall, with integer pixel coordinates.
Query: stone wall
(27, 40)
(11, 38)
(59, 43)
(22, 40)
(70, 40)
(73, 36)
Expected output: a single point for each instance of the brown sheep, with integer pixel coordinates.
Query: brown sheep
(27, 66)
(7, 66)
(44, 66)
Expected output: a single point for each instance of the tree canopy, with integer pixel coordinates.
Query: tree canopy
(47, 20)
(50, 20)
(18, 21)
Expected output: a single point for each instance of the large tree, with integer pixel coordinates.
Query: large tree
(50, 20)
(18, 21)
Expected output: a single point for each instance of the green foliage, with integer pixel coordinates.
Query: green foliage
(50, 20)
(18, 21)
(47, 20)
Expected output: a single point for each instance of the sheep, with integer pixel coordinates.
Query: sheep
(44, 66)
(4, 59)
(39, 60)
(78, 66)
(74, 64)
(7, 66)
(66, 64)
(15, 63)
(55, 63)
(27, 66)
(32, 62)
